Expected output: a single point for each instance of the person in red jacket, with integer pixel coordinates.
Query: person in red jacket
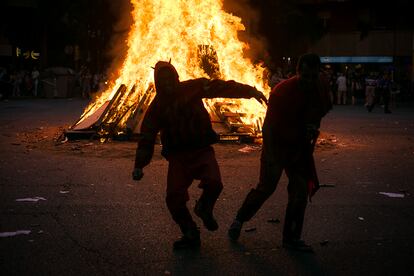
(296, 107)
(178, 113)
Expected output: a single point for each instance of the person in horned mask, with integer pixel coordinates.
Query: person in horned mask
(178, 113)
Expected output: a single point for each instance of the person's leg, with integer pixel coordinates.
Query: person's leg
(386, 97)
(36, 83)
(178, 181)
(353, 94)
(270, 173)
(366, 97)
(269, 177)
(376, 97)
(344, 96)
(295, 210)
(370, 98)
(205, 168)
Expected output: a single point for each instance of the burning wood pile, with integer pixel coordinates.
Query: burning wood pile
(228, 124)
(202, 40)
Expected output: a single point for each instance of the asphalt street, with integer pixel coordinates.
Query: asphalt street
(73, 209)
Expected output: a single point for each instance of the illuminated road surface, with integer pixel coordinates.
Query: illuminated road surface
(73, 209)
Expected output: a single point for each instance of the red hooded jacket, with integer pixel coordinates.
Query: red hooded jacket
(290, 111)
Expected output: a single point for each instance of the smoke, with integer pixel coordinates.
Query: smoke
(118, 47)
(251, 20)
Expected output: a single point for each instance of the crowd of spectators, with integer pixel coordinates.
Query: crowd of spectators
(351, 87)
(37, 83)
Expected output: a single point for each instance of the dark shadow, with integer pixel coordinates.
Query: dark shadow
(236, 246)
(252, 262)
(193, 262)
(307, 263)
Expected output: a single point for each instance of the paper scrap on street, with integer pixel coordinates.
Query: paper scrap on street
(16, 233)
(273, 220)
(393, 195)
(30, 199)
(250, 229)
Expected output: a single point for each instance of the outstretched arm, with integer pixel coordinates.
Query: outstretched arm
(231, 89)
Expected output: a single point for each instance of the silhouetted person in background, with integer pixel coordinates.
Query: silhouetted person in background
(342, 89)
(5, 85)
(384, 87)
(296, 107)
(35, 77)
(370, 92)
(178, 113)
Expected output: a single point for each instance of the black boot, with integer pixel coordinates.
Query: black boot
(234, 230)
(206, 214)
(189, 240)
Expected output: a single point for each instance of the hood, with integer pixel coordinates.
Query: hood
(163, 65)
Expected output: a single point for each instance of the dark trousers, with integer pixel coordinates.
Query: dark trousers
(386, 95)
(271, 169)
(184, 167)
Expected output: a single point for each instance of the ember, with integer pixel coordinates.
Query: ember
(201, 39)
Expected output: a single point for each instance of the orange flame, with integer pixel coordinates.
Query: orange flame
(175, 29)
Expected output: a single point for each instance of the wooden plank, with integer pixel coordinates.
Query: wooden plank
(113, 103)
(139, 113)
(233, 114)
(92, 119)
(96, 118)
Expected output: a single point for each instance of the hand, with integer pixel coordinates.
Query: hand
(311, 132)
(259, 96)
(137, 174)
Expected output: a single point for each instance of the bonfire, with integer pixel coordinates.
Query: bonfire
(201, 40)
